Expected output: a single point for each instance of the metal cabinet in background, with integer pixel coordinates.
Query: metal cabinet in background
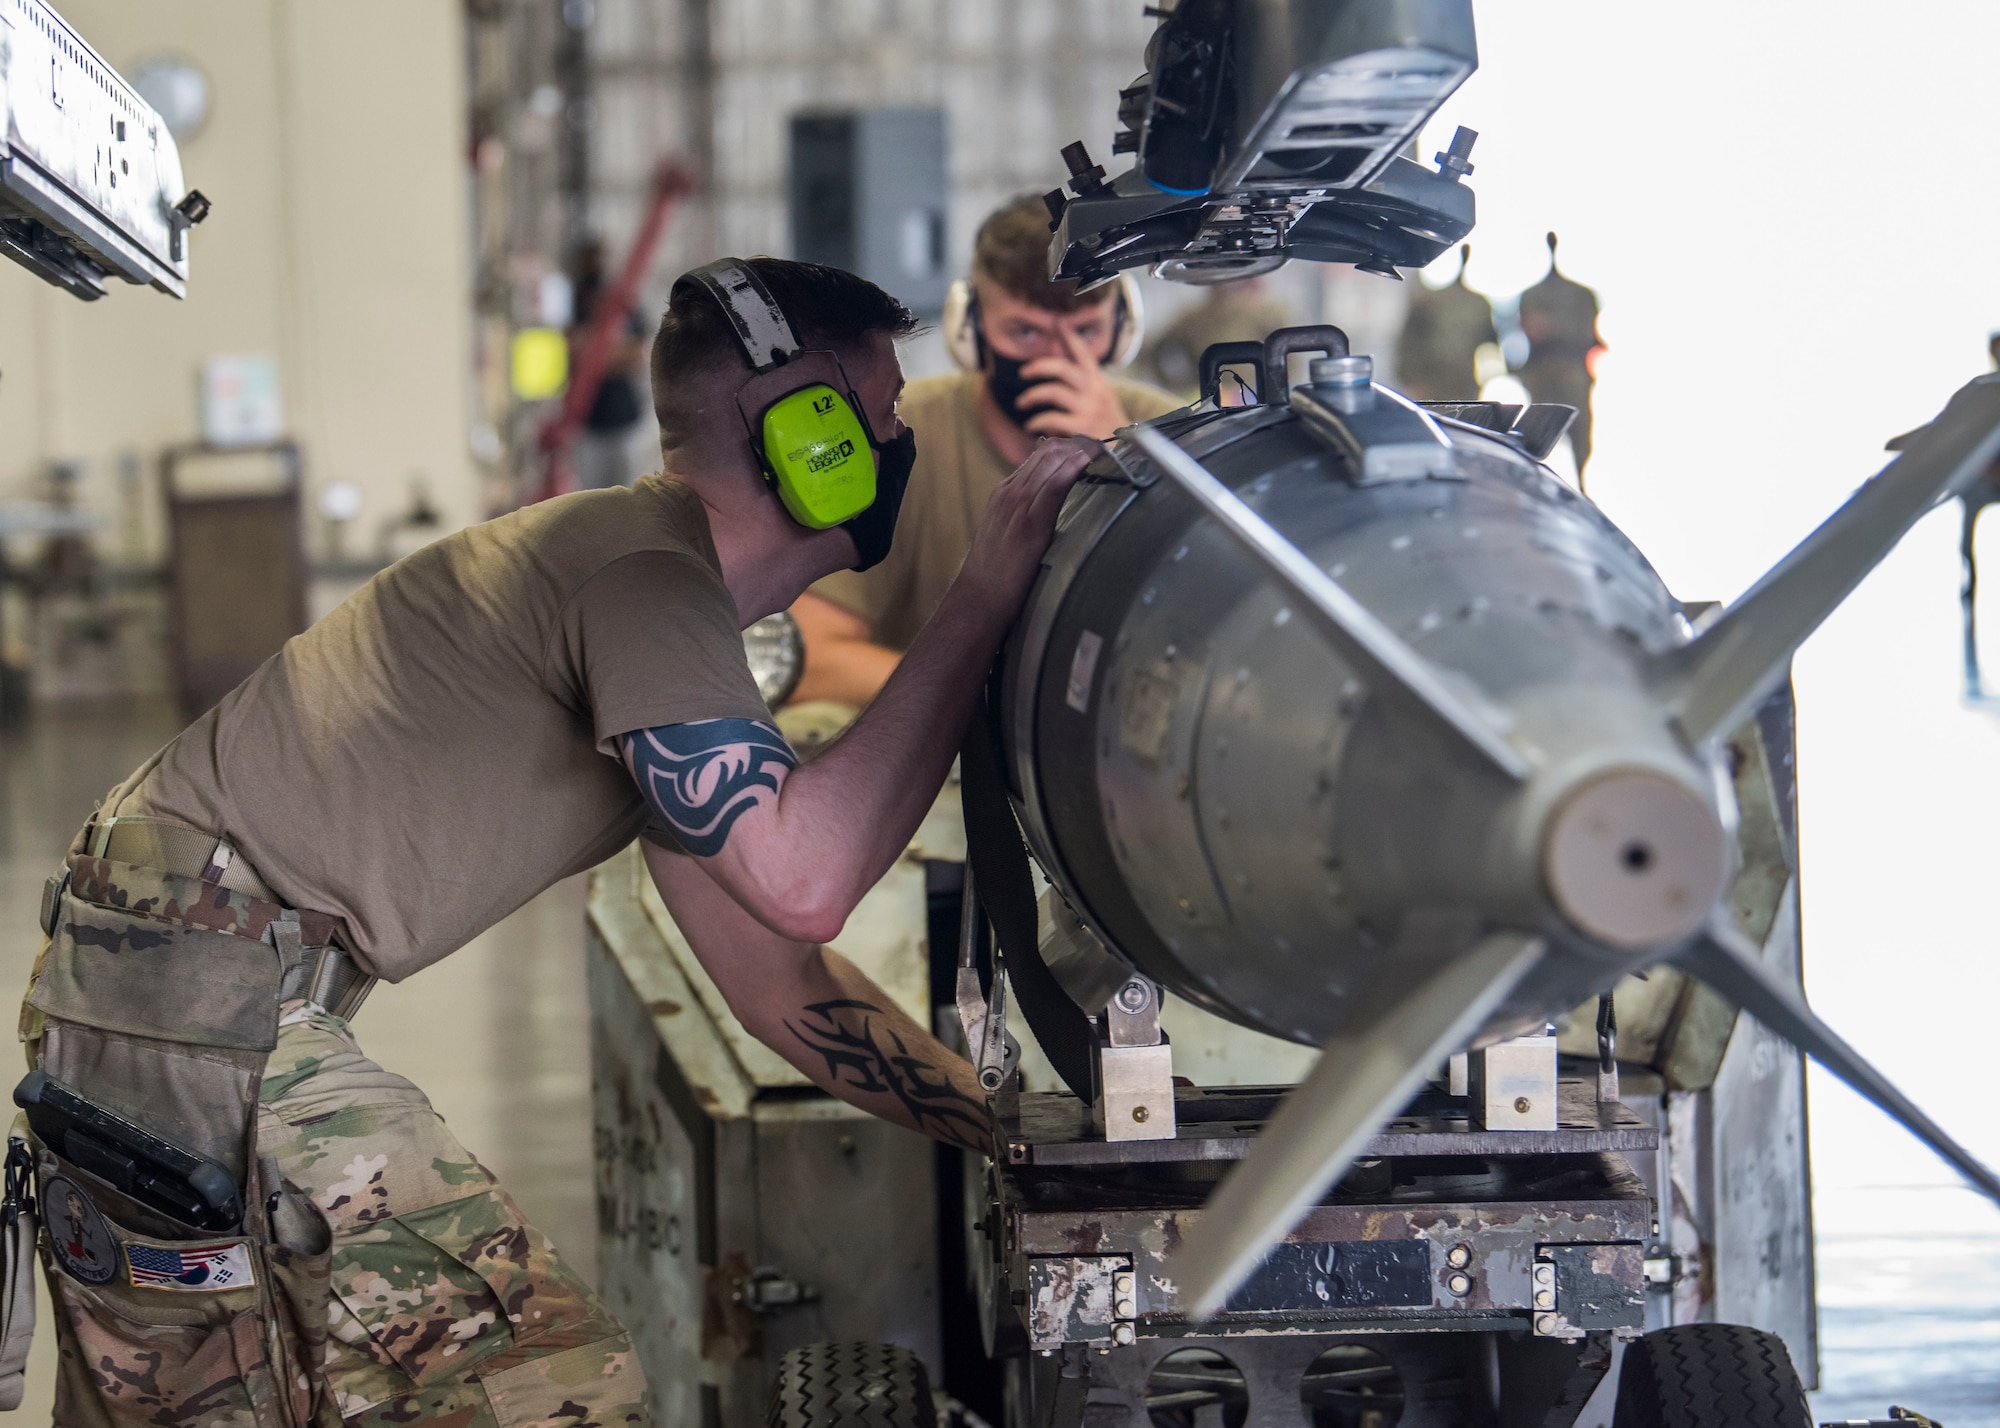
(868, 190)
(236, 586)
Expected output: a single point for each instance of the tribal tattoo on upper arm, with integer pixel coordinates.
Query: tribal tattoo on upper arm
(702, 777)
(850, 1037)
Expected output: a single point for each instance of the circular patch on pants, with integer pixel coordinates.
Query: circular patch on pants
(78, 1236)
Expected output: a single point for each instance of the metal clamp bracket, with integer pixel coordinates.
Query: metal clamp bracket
(1379, 435)
(991, 1048)
(1132, 1067)
(1512, 1084)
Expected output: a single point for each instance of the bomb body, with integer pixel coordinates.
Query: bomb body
(1224, 798)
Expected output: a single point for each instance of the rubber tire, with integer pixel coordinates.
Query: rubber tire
(853, 1385)
(1704, 1375)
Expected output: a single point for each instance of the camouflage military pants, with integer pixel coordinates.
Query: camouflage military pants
(445, 1305)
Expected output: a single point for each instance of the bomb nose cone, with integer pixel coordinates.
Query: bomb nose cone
(1635, 858)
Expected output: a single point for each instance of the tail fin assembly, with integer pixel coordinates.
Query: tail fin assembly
(1711, 685)
(1728, 962)
(1455, 971)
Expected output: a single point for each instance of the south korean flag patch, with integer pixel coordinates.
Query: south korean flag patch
(190, 1267)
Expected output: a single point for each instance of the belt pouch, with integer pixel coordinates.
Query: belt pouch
(152, 1011)
(160, 999)
(146, 967)
(158, 1328)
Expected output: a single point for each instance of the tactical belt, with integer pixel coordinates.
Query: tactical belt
(315, 969)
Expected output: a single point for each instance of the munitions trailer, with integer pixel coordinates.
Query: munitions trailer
(1480, 1265)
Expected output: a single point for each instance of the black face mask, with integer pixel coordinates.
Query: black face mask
(1008, 386)
(875, 527)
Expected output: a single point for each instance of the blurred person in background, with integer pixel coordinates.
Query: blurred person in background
(1245, 310)
(1558, 316)
(1033, 355)
(603, 454)
(1446, 327)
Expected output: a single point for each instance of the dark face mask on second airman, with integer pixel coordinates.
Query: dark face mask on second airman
(1008, 386)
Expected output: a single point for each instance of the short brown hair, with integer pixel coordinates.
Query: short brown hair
(829, 308)
(1012, 249)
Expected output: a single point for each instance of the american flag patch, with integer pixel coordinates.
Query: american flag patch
(190, 1266)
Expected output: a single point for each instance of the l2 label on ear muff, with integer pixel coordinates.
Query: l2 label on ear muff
(817, 453)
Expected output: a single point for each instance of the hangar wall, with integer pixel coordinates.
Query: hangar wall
(332, 152)
(1017, 79)
(719, 80)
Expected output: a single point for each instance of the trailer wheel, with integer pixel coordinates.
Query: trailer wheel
(1699, 1375)
(855, 1385)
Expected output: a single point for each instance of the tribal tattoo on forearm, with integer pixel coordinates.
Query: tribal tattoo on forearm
(850, 1036)
(702, 777)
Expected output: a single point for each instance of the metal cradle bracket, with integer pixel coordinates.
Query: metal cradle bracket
(1379, 435)
(1132, 1067)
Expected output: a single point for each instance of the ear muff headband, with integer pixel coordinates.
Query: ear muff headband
(760, 325)
(806, 427)
(961, 325)
(963, 338)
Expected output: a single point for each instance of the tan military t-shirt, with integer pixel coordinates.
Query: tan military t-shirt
(957, 469)
(441, 747)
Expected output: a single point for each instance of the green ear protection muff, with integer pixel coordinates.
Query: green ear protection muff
(809, 436)
(816, 452)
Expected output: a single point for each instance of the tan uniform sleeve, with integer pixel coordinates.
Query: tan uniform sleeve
(651, 639)
(853, 591)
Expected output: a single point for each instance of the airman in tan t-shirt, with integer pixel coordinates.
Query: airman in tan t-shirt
(444, 745)
(509, 705)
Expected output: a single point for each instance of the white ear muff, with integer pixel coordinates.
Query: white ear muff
(961, 337)
(1132, 331)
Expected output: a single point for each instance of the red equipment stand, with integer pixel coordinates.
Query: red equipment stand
(671, 183)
